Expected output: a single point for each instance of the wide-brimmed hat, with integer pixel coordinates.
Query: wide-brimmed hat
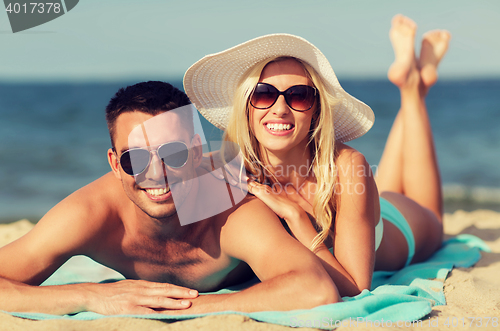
(211, 82)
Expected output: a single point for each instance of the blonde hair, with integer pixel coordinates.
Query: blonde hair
(321, 143)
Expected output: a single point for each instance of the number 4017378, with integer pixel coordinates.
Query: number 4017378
(34, 7)
(471, 321)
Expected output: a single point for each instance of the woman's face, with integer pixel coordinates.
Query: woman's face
(279, 128)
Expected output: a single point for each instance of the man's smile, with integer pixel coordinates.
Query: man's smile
(158, 194)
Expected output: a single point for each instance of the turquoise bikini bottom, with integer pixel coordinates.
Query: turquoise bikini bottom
(392, 214)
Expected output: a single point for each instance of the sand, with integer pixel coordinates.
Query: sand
(470, 292)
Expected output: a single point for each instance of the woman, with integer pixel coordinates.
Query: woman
(278, 98)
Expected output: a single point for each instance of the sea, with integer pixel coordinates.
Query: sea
(54, 139)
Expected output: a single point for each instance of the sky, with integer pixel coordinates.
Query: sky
(114, 40)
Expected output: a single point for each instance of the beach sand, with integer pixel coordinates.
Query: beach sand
(470, 292)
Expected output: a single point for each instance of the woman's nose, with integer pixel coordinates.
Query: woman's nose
(281, 108)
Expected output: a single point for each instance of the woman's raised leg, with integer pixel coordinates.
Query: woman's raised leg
(421, 177)
(434, 46)
(409, 154)
(389, 175)
(408, 174)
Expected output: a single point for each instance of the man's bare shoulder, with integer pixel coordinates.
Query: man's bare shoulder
(251, 206)
(248, 222)
(102, 187)
(82, 223)
(102, 197)
(89, 211)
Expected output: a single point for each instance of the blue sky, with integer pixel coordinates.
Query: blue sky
(151, 39)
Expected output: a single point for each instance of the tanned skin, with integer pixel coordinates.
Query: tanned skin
(116, 222)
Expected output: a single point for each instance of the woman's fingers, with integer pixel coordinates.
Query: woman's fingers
(276, 198)
(258, 189)
(273, 200)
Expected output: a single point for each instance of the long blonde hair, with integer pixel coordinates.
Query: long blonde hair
(321, 143)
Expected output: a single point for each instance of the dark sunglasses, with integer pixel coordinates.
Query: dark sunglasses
(297, 97)
(173, 154)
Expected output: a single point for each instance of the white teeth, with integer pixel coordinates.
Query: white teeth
(157, 191)
(278, 127)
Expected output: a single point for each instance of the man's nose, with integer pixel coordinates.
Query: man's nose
(281, 108)
(156, 169)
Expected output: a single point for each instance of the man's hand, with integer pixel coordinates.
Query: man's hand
(136, 297)
(124, 297)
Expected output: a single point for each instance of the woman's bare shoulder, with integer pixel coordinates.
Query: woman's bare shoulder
(349, 155)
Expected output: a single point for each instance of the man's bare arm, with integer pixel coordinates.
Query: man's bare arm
(291, 276)
(75, 226)
(124, 297)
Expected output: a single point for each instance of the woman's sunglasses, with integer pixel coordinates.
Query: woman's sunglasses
(297, 97)
(173, 154)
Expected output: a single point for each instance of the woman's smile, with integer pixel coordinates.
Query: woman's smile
(279, 128)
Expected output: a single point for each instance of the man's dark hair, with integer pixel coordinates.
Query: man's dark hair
(152, 98)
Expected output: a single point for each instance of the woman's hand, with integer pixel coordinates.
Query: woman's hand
(295, 216)
(276, 199)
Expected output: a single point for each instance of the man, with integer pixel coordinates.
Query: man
(128, 220)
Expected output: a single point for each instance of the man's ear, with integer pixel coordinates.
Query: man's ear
(113, 162)
(197, 150)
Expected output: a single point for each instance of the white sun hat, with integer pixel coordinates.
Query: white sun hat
(211, 82)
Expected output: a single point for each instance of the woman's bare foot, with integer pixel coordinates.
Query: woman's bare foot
(434, 47)
(402, 35)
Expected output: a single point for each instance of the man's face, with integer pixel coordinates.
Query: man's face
(151, 190)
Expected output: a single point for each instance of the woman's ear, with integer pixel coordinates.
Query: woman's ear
(113, 162)
(314, 120)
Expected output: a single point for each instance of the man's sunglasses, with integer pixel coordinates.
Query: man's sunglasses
(297, 97)
(173, 154)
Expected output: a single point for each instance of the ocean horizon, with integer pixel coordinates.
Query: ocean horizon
(54, 139)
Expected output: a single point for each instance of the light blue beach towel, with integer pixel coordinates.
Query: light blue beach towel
(406, 295)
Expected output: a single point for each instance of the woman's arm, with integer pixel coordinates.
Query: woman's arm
(346, 283)
(357, 215)
(351, 265)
